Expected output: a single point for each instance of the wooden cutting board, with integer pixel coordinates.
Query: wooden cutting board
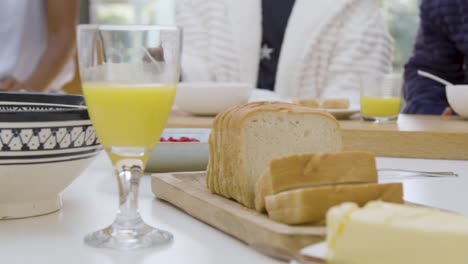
(189, 193)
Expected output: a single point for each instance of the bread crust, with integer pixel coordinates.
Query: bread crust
(310, 205)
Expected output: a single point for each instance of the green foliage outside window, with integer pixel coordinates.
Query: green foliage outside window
(402, 18)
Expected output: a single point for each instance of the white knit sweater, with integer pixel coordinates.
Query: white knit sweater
(328, 45)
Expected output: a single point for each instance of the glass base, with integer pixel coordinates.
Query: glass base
(380, 120)
(140, 237)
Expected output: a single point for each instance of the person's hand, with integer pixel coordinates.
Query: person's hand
(11, 84)
(156, 54)
(447, 112)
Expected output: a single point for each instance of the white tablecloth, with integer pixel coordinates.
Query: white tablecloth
(90, 203)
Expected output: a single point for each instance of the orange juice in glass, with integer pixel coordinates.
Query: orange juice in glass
(129, 74)
(143, 107)
(380, 97)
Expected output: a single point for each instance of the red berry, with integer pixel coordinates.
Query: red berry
(181, 139)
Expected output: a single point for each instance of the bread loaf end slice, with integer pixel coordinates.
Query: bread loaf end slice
(310, 205)
(314, 169)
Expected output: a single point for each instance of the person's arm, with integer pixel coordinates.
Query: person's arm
(434, 52)
(364, 46)
(61, 23)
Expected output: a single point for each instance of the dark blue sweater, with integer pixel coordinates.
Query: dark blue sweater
(275, 17)
(441, 48)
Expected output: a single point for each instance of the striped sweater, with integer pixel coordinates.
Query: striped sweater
(441, 48)
(327, 45)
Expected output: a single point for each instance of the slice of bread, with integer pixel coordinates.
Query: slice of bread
(234, 148)
(218, 145)
(310, 205)
(215, 147)
(335, 103)
(245, 139)
(230, 147)
(227, 146)
(308, 102)
(220, 142)
(307, 170)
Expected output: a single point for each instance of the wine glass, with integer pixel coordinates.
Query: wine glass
(129, 75)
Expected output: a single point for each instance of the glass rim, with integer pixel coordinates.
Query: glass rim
(123, 27)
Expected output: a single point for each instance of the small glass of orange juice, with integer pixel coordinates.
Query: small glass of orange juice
(380, 97)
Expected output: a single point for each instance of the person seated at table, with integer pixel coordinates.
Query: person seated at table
(302, 48)
(440, 49)
(37, 44)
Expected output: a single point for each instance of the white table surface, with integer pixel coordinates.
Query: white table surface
(90, 203)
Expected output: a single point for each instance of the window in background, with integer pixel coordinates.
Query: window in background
(132, 11)
(402, 17)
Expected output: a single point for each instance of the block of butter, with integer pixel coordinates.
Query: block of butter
(387, 233)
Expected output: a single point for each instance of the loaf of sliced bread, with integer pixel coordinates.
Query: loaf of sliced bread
(314, 169)
(310, 205)
(244, 140)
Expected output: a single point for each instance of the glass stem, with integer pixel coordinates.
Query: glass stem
(128, 178)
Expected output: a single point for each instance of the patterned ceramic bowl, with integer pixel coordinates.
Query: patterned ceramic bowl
(46, 141)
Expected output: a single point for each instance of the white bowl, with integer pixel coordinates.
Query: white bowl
(457, 96)
(180, 156)
(210, 98)
(46, 141)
